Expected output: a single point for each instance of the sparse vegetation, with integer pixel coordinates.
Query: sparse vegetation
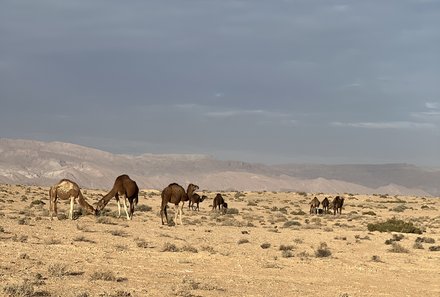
(242, 241)
(291, 223)
(397, 248)
(323, 251)
(434, 248)
(58, 270)
(24, 289)
(170, 247)
(394, 225)
(265, 245)
(103, 275)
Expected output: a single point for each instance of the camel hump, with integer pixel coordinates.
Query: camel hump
(173, 184)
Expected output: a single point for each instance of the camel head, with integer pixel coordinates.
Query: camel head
(192, 188)
(203, 198)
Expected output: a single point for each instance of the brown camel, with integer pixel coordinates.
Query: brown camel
(127, 188)
(64, 190)
(325, 204)
(175, 194)
(314, 204)
(220, 203)
(338, 202)
(196, 199)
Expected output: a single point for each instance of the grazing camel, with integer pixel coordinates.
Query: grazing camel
(338, 202)
(314, 204)
(64, 190)
(325, 204)
(219, 202)
(196, 199)
(127, 188)
(175, 194)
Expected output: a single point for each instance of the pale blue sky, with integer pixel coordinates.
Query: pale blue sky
(275, 81)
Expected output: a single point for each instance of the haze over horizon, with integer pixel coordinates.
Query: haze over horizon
(333, 82)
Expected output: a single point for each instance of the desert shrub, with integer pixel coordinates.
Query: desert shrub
(120, 233)
(189, 248)
(232, 211)
(399, 208)
(141, 243)
(243, 240)
(434, 248)
(291, 223)
(376, 258)
(265, 245)
(143, 208)
(170, 247)
(302, 194)
(286, 247)
(287, 254)
(397, 248)
(323, 251)
(57, 270)
(370, 213)
(23, 221)
(2, 230)
(104, 220)
(52, 241)
(82, 238)
(21, 238)
(298, 213)
(418, 245)
(103, 275)
(25, 289)
(239, 194)
(394, 225)
(425, 239)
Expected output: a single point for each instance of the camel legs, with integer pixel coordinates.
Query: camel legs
(178, 213)
(72, 202)
(125, 207)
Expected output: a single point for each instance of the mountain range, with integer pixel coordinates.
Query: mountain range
(33, 162)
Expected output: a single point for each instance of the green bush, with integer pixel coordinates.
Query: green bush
(394, 225)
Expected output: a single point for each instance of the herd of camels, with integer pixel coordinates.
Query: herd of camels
(126, 189)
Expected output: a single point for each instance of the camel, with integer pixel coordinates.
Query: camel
(64, 190)
(175, 194)
(196, 199)
(219, 202)
(314, 204)
(338, 202)
(325, 204)
(127, 188)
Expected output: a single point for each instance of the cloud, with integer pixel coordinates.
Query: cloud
(385, 125)
(432, 105)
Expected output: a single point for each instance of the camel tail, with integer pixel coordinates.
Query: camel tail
(136, 200)
(82, 201)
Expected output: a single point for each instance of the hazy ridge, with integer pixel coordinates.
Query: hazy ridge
(44, 163)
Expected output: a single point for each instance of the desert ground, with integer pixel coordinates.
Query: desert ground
(266, 245)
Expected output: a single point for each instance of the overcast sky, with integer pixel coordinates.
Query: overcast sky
(292, 81)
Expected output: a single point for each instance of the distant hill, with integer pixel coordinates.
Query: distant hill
(44, 163)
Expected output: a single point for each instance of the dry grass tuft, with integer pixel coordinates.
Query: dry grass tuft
(323, 251)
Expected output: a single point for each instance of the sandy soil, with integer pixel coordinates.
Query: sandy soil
(265, 246)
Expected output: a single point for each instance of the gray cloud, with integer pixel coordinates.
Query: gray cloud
(268, 81)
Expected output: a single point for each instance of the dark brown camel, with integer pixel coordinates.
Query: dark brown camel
(219, 202)
(196, 199)
(64, 190)
(325, 204)
(127, 188)
(175, 194)
(314, 204)
(338, 202)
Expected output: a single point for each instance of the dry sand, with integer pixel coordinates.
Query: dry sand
(250, 252)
